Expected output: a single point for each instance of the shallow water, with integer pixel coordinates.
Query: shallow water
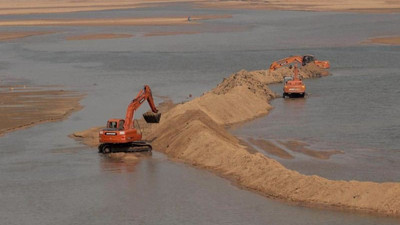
(47, 178)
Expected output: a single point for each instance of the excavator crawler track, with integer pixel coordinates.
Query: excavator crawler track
(137, 146)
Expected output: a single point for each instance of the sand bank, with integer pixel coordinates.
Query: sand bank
(98, 36)
(149, 21)
(369, 6)
(4, 36)
(384, 40)
(22, 107)
(195, 133)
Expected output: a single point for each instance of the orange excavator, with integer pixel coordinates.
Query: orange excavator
(120, 135)
(303, 60)
(293, 85)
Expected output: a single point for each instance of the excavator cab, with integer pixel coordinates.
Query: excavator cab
(115, 124)
(121, 135)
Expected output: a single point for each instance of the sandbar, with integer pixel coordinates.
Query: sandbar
(23, 107)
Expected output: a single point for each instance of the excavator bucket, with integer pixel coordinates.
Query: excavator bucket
(151, 117)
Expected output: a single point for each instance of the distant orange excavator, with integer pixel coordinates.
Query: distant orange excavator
(303, 60)
(293, 85)
(120, 134)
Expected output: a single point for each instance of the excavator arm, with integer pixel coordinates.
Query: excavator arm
(143, 95)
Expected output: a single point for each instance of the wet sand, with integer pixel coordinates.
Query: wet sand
(384, 40)
(4, 36)
(23, 107)
(98, 37)
(301, 147)
(151, 21)
(270, 148)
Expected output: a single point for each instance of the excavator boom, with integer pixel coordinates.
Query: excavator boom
(143, 95)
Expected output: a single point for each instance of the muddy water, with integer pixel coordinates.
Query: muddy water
(47, 178)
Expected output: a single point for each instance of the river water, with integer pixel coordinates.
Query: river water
(48, 178)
